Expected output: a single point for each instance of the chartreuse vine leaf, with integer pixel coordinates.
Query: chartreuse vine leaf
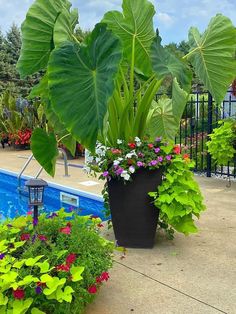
(32, 261)
(165, 64)
(61, 295)
(21, 306)
(19, 264)
(36, 311)
(44, 22)
(213, 55)
(135, 29)
(76, 272)
(44, 267)
(81, 81)
(3, 299)
(44, 148)
(53, 285)
(9, 277)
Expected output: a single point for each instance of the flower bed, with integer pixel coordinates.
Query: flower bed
(56, 266)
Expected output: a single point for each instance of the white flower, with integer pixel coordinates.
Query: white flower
(98, 160)
(138, 141)
(116, 162)
(86, 169)
(120, 159)
(125, 175)
(89, 159)
(119, 142)
(129, 156)
(131, 169)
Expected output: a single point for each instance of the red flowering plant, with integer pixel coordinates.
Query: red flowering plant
(57, 266)
(178, 197)
(21, 137)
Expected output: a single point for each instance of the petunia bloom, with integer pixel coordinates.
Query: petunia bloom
(168, 157)
(42, 237)
(92, 289)
(132, 145)
(150, 146)
(177, 150)
(38, 290)
(25, 237)
(63, 267)
(65, 230)
(156, 150)
(70, 259)
(105, 276)
(18, 294)
(105, 174)
(140, 164)
(2, 255)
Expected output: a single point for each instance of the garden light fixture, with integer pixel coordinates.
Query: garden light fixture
(36, 193)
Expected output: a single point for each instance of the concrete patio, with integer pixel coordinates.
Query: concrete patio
(195, 274)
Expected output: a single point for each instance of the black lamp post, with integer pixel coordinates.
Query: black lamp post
(36, 192)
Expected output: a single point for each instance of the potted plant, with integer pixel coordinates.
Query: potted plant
(57, 265)
(222, 144)
(104, 88)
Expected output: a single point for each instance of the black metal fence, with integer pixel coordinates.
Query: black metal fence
(201, 116)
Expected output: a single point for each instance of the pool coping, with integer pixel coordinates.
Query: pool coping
(59, 187)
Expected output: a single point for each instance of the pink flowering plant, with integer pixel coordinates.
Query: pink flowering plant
(56, 266)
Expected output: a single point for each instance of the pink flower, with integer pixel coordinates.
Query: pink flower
(65, 230)
(168, 157)
(105, 174)
(116, 151)
(160, 159)
(177, 150)
(29, 213)
(42, 237)
(140, 164)
(105, 276)
(153, 163)
(150, 145)
(25, 237)
(119, 171)
(70, 259)
(63, 267)
(92, 289)
(18, 294)
(156, 150)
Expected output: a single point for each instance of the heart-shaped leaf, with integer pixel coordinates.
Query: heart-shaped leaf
(213, 55)
(81, 83)
(76, 272)
(135, 29)
(44, 148)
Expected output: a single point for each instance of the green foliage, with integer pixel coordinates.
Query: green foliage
(222, 145)
(179, 197)
(105, 92)
(54, 264)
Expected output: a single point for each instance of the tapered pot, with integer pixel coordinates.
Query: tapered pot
(134, 217)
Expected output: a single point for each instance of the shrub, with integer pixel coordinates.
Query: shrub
(56, 266)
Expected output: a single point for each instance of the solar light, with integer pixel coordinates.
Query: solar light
(36, 193)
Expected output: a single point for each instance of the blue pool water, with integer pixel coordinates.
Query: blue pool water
(13, 203)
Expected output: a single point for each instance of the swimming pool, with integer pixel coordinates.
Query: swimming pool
(13, 203)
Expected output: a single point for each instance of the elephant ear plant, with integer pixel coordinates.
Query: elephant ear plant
(103, 89)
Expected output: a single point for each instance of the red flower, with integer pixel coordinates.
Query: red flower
(18, 294)
(177, 150)
(92, 289)
(186, 156)
(29, 213)
(100, 225)
(105, 276)
(150, 146)
(116, 151)
(63, 267)
(42, 237)
(65, 230)
(70, 259)
(132, 145)
(25, 237)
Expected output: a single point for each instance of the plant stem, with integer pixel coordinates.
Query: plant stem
(132, 69)
(62, 138)
(190, 53)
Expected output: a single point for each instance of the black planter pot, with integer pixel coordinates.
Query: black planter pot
(134, 217)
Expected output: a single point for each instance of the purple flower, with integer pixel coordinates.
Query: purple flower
(159, 139)
(2, 256)
(52, 216)
(153, 163)
(168, 157)
(38, 290)
(105, 174)
(119, 171)
(160, 159)
(35, 222)
(9, 226)
(34, 238)
(140, 164)
(156, 150)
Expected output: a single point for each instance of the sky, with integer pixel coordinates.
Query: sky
(173, 17)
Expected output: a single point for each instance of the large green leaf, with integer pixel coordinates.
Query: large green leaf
(164, 64)
(162, 121)
(135, 29)
(167, 113)
(41, 90)
(44, 148)
(38, 33)
(81, 81)
(213, 55)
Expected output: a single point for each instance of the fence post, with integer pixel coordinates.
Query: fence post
(209, 130)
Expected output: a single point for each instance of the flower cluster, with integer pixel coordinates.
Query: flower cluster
(21, 137)
(49, 266)
(127, 158)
